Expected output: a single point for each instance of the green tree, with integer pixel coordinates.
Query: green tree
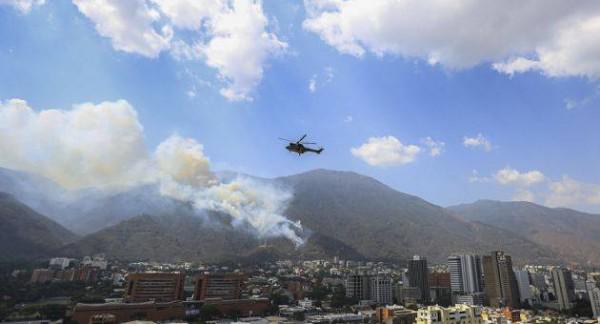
(279, 299)
(209, 312)
(53, 311)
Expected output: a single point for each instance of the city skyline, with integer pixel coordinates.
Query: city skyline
(497, 118)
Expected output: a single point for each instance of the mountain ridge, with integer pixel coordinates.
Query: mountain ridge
(27, 234)
(344, 212)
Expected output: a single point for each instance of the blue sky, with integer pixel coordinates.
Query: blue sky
(541, 120)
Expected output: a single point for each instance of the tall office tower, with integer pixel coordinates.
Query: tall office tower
(439, 288)
(358, 286)
(593, 289)
(465, 274)
(523, 284)
(501, 287)
(154, 286)
(225, 286)
(466, 279)
(381, 289)
(562, 280)
(418, 276)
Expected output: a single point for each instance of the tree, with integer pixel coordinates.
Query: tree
(234, 314)
(279, 299)
(339, 298)
(318, 293)
(209, 312)
(53, 311)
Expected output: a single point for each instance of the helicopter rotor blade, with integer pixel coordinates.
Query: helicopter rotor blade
(301, 138)
(310, 143)
(285, 139)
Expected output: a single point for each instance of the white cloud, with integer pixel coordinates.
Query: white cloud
(574, 50)
(102, 146)
(477, 141)
(23, 6)
(515, 65)
(476, 178)
(571, 103)
(230, 36)
(435, 147)
(386, 151)
(240, 46)
(556, 37)
(128, 24)
(571, 193)
(321, 79)
(508, 176)
(312, 84)
(190, 14)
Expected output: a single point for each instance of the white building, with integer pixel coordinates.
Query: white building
(465, 274)
(305, 303)
(459, 314)
(564, 289)
(381, 289)
(523, 284)
(593, 289)
(470, 299)
(61, 263)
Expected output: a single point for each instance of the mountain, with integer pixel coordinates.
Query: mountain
(87, 210)
(572, 235)
(382, 223)
(343, 213)
(196, 238)
(41, 194)
(27, 234)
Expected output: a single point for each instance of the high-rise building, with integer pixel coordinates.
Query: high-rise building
(418, 276)
(225, 286)
(466, 279)
(562, 280)
(154, 286)
(501, 287)
(523, 284)
(465, 273)
(593, 289)
(406, 295)
(439, 288)
(470, 299)
(358, 286)
(381, 289)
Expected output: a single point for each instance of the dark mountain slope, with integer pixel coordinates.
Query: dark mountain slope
(27, 234)
(382, 223)
(574, 236)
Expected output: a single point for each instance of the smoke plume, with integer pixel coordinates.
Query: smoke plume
(102, 146)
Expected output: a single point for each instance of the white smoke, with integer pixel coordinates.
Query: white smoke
(102, 146)
(185, 175)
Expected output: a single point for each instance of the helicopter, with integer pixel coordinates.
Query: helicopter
(298, 146)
